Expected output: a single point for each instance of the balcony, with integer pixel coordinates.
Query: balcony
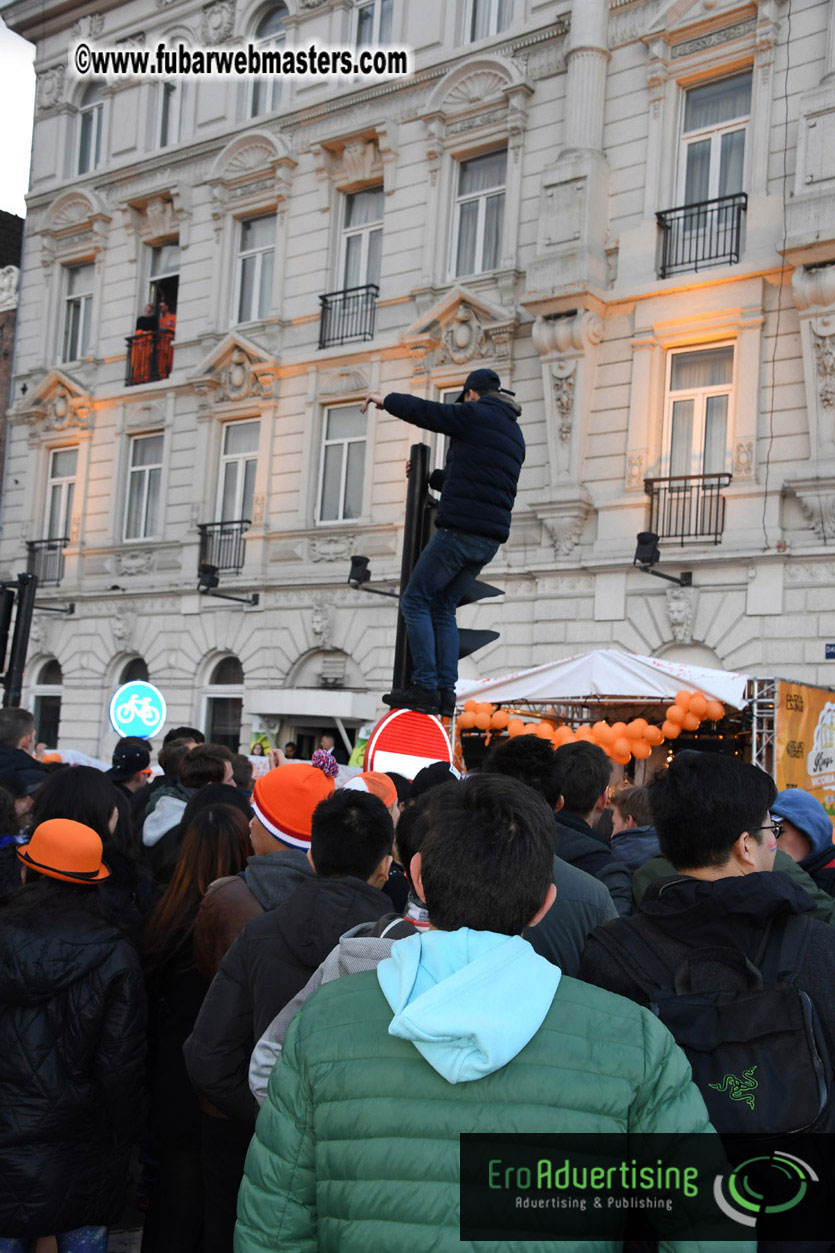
(45, 559)
(150, 357)
(698, 236)
(348, 316)
(687, 506)
(222, 544)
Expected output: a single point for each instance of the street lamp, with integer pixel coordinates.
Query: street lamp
(646, 556)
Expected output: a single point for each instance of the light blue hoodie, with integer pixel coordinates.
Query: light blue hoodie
(469, 1001)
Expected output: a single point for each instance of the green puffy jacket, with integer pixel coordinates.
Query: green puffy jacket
(356, 1148)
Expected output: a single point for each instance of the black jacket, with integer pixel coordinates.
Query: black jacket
(270, 961)
(485, 457)
(577, 844)
(680, 913)
(821, 866)
(28, 771)
(72, 1044)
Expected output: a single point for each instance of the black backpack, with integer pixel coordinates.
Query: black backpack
(756, 1047)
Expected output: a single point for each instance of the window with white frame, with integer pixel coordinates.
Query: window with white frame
(60, 491)
(374, 23)
(713, 137)
(265, 93)
(238, 463)
(144, 479)
(78, 312)
(164, 279)
(343, 464)
(699, 403)
(256, 247)
(168, 115)
(362, 238)
(489, 17)
(479, 213)
(90, 120)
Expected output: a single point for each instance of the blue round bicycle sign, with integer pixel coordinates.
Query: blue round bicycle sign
(137, 708)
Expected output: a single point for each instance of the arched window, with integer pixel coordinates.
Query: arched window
(225, 702)
(91, 111)
(136, 668)
(47, 703)
(269, 34)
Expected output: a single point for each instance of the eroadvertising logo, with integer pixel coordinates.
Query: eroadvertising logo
(740, 1194)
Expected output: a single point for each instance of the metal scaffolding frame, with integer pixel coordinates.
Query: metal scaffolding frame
(762, 694)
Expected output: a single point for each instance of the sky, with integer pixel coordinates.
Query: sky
(17, 106)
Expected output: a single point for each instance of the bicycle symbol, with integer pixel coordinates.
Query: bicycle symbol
(140, 707)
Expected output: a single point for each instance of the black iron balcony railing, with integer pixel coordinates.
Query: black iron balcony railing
(45, 558)
(348, 315)
(150, 356)
(222, 544)
(687, 506)
(697, 236)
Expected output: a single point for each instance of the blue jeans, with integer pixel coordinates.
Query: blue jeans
(448, 566)
(81, 1240)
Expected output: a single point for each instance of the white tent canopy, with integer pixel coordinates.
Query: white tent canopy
(607, 675)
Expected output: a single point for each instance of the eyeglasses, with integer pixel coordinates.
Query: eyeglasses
(775, 826)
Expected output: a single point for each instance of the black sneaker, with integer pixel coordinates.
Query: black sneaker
(447, 702)
(423, 700)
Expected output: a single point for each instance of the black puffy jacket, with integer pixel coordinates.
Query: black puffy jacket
(485, 457)
(72, 1045)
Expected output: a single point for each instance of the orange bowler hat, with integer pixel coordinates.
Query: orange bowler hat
(63, 849)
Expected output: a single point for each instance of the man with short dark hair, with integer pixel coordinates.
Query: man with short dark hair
(184, 733)
(129, 765)
(634, 838)
(481, 1034)
(17, 740)
(478, 488)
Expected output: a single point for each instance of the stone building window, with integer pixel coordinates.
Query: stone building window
(78, 312)
(224, 703)
(479, 213)
(168, 117)
(136, 668)
(60, 491)
(265, 93)
(144, 479)
(256, 250)
(238, 466)
(164, 279)
(362, 238)
(90, 120)
(374, 23)
(489, 17)
(342, 471)
(699, 398)
(713, 138)
(46, 697)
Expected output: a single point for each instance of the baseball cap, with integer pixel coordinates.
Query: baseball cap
(483, 381)
(377, 784)
(129, 757)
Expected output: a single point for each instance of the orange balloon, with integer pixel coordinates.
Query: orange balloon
(515, 727)
(467, 720)
(545, 731)
(470, 706)
(530, 728)
(619, 729)
(621, 746)
(683, 699)
(636, 728)
(484, 707)
(676, 714)
(641, 750)
(584, 732)
(691, 722)
(621, 759)
(500, 719)
(715, 710)
(563, 736)
(671, 730)
(698, 705)
(603, 733)
(653, 736)
(482, 720)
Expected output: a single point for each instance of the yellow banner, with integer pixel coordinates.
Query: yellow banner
(805, 741)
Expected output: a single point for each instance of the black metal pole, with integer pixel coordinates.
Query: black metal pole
(13, 681)
(414, 538)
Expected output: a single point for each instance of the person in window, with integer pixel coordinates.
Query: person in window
(478, 488)
(142, 346)
(165, 339)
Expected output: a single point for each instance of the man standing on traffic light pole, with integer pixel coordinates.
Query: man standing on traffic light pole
(478, 489)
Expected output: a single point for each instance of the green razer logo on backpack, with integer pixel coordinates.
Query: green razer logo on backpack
(738, 1089)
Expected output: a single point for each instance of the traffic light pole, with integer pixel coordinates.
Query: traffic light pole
(13, 682)
(414, 537)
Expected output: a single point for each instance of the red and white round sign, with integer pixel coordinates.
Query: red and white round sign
(405, 741)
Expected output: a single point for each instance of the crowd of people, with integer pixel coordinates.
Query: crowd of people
(273, 1008)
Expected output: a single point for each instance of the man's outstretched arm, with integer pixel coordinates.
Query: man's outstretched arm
(431, 415)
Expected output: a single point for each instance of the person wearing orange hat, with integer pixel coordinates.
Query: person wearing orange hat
(72, 1046)
(377, 784)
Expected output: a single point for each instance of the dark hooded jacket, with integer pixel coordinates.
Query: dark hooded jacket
(72, 1045)
(271, 960)
(229, 903)
(578, 844)
(634, 846)
(682, 913)
(28, 771)
(484, 461)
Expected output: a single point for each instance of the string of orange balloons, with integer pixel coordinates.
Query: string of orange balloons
(621, 740)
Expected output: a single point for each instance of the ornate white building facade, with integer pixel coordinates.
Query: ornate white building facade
(626, 208)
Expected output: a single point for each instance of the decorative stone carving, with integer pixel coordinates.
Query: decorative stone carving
(635, 462)
(321, 621)
(51, 87)
(122, 628)
(259, 505)
(9, 284)
(131, 561)
(563, 381)
(160, 217)
(343, 382)
(463, 338)
(331, 547)
(356, 162)
(824, 345)
(217, 22)
(460, 328)
(236, 370)
(563, 343)
(563, 521)
(681, 613)
(89, 26)
(743, 466)
(816, 497)
(358, 159)
(476, 87)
